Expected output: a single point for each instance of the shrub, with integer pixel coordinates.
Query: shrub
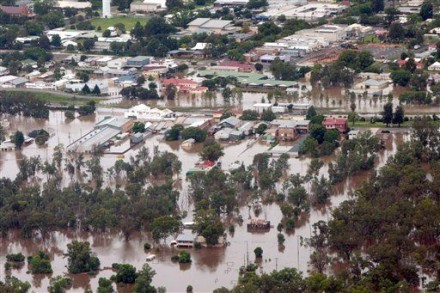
(147, 245)
(15, 257)
(258, 252)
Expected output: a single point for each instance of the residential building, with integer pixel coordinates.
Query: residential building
(339, 123)
(230, 3)
(22, 10)
(434, 66)
(139, 61)
(3, 71)
(373, 87)
(184, 85)
(185, 240)
(230, 122)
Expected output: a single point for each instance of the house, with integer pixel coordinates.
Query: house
(184, 85)
(352, 134)
(3, 71)
(287, 130)
(230, 3)
(339, 123)
(185, 240)
(258, 225)
(261, 107)
(139, 61)
(7, 146)
(22, 10)
(373, 87)
(434, 66)
(230, 122)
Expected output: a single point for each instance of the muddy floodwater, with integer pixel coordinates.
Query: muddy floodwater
(333, 98)
(211, 267)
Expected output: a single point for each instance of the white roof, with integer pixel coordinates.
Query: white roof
(7, 78)
(74, 4)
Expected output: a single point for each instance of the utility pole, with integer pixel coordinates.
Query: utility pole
(247, 253)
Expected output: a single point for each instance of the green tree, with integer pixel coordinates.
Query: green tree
(250, 115)
(268, 115)
(227, 94)
(311, 112)
(398, 116)
(126, 274)
(401, 77)
(426, 10)
(85, 90)
(138, 127)
(258, 252)
(184, 257)
(209, 225)
(96, 91)
(56, 41)
(105, 286)
(162, 227)
(144, 279)
(18, 139)
(387, 114)
(59, 284)
(396, 32)
(40, 263)
(174, 132)
(170, 91)
(211, 151)
(80, 258)
(194, 132)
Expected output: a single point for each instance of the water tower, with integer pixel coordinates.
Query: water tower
(106, 11)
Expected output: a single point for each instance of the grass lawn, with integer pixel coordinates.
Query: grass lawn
(54, 98)
(371, 39)
(129, 22)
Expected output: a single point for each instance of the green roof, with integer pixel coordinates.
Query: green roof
(248, 78)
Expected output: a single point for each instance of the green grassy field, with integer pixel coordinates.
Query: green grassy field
(54, 98)
(129, 22)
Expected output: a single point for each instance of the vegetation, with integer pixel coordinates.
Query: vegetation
(40, 263)
(199, 135)
(80, 258)
(211, 151)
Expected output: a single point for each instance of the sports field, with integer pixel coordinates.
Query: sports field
(129, 22)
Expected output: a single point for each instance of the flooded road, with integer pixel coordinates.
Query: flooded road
(211, 268)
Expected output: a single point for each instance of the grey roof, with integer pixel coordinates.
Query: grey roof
(19, 80)
(373, 82)
(208, 23)
(112, 121)
(198, 21)
(234, 121)
(138, 58)
(183, 237)
(216, 23)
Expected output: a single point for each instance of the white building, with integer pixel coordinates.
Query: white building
(434, 66)
(74, 4)
(106, 9)
(143, 112)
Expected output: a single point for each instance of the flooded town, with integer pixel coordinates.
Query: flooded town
(219, 146)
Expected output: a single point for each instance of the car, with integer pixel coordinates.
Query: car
(150, 257)
(173, 242)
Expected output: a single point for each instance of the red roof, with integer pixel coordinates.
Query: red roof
(334, 120)
(244, 66)
(178, 81)
(15, 10)
(401, 62)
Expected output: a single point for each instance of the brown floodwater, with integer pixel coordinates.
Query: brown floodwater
(211, 268)
(333, 98)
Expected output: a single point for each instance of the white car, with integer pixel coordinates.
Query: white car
(150, 257)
